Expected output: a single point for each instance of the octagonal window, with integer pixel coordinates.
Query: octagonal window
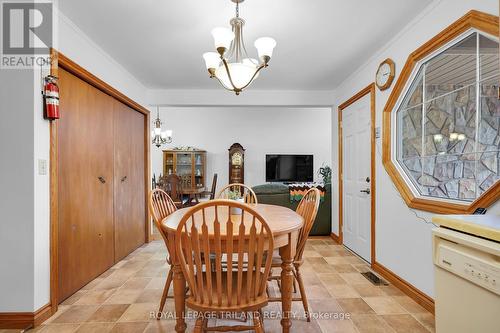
(447, 137)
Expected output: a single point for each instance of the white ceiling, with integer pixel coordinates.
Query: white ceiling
(320, 42)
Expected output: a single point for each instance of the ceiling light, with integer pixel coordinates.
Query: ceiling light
(231, 65)
(160, 137)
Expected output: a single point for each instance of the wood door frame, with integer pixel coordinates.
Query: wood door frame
(370, 89)
(59, 60)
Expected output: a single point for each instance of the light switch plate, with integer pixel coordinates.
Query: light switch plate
(42, 167)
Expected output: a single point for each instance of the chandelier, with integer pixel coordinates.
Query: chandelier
(230, 65)
(160, 137)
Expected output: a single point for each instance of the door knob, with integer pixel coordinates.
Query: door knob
(123, 178)
(367, 191)
(101, 179)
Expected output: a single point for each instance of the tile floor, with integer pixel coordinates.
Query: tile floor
(341, 299)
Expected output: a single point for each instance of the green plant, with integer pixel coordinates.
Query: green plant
(233, 195)
(326, 172)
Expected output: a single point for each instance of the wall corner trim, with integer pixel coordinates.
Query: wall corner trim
(335, 238)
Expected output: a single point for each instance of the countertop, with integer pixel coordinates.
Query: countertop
(486, 226)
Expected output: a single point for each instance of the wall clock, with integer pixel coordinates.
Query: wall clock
(385, 74)
(236, 164)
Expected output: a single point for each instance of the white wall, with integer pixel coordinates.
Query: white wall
(16, 195)
(261, 131)
(403, 241)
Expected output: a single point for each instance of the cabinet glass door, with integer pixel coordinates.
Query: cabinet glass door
(169, 164)
(184, 169)
(199, 170)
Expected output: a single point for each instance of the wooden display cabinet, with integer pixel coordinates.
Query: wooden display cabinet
(189, 165)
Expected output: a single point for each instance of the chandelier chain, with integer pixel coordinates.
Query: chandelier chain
(237, 9)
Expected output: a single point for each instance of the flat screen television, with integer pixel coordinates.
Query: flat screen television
(289, 168)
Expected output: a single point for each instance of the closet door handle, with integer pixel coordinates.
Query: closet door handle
(101, 179)
(124, 178)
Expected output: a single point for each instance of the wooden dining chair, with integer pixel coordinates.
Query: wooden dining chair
(173, 186)
(246, 192)
(210, 195)
(209, 228)
(160, 206)
(308, 209)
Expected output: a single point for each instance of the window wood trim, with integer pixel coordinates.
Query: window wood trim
(473, 19)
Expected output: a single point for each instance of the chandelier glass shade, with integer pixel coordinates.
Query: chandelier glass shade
(160, 137)
(231, 65)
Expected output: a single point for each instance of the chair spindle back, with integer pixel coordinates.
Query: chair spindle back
(308, 209)
(208, 230)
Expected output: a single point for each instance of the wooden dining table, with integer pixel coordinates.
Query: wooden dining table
(284, 224)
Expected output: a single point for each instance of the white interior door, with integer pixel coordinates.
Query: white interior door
(356, 149)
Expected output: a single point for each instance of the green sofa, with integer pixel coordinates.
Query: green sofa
(278, 194)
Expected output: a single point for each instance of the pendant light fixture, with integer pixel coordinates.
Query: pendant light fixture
(160, 137)
(231, 65)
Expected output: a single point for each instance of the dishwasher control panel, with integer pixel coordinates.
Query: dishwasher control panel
(478, 267)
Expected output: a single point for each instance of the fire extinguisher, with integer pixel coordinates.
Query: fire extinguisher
(51, 96)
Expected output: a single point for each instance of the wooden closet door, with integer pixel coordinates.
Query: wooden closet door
(85, 146)
(130, 208)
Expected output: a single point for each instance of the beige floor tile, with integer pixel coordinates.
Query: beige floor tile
(108, 313)
(353, 260)
(149, 296)
(370, 323)
(363, 268)
(317, 292)
(355, 306)
(325, 306)
(110, 283)
(60, 309)
(367, 290)
(336, 260)
(427, 320)
(311, 254)
(107, 273)
(314, 261)
(124, 296)
(122, 273)
(136, 283)
(342, 291)
(410, 305)
(160, 326)
(94, 297)
(331, 278)
(132, 327)
(157, 283)
(59, 328)
(337, 326)
(73, 298)
(302, 326)
(384, 305)
(344, 268)
(95, 328)
(355, 278)
(92, 284)
(76, 314)
(140, 312)
(404, 324)
(390, 290)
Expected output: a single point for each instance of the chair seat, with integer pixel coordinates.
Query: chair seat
(246, 305)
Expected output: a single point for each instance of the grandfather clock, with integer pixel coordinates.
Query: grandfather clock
(236, 164)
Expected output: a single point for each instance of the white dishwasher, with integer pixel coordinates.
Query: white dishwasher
(467, 277)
